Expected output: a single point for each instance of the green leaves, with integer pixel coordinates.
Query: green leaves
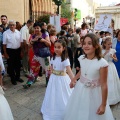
(44, 18)
(65, 11)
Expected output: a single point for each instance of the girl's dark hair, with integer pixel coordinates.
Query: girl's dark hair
(64, 53)
(95, 43)
(117, 33)
(78, 30)
(105, 39)
(83, 25)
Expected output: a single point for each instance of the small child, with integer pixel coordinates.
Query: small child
(5, 111)
(58, 90)
(89, 97)
(113, 78)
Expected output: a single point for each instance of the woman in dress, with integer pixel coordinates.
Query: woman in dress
(39, 40)
(58, 90)
(116, 46)
(113, 78)
(5, 111)
(89, 97)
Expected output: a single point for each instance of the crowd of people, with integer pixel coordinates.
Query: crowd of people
(37, 49)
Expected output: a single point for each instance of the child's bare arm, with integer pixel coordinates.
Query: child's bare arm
(104, 89)
(115, 58)
(70, 73)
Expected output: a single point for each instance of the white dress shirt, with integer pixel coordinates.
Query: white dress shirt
(12, 39)
(25, 33)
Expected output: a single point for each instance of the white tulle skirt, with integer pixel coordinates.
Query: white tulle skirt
(84, 103)
(5, 111)
(56, 97)
(113, 85)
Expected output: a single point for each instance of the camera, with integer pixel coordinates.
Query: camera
(39, 39)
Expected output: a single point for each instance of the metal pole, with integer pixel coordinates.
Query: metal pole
(75, 18)
(58, 9)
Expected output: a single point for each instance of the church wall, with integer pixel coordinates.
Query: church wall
(14, 9)
(113, 10)
(18, 10)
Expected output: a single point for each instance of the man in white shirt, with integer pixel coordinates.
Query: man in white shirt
(12, 42)
(25, 36)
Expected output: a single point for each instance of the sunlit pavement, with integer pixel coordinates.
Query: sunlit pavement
(26, 103)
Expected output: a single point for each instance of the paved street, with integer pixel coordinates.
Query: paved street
(26, 103)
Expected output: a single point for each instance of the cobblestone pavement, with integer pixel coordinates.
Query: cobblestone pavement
(26, 103)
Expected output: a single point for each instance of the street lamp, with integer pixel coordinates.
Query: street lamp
(58, 3)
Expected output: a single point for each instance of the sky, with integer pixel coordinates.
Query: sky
(107, 2)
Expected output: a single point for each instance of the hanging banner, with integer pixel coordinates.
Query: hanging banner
(55, 20)
(63, 21)
(78, 14)
(103, 22)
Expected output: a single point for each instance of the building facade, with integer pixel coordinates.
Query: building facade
(114, 11)
(87, 8)
(22, 10)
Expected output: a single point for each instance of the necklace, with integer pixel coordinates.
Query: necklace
(89, 66)
(92, 58)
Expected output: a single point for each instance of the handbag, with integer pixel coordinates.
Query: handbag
(44, 52)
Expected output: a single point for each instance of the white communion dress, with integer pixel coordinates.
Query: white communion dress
(5, 111)
(87, 96)
(113, 79)
(57, 93)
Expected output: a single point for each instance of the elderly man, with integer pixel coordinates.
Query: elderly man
(12, 42)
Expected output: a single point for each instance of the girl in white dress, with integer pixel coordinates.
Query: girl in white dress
(58, 90)
(5, 111)
(89, 97)
(113, 79)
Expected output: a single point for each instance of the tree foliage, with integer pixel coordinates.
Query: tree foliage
(65, 11)
(43, 18)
